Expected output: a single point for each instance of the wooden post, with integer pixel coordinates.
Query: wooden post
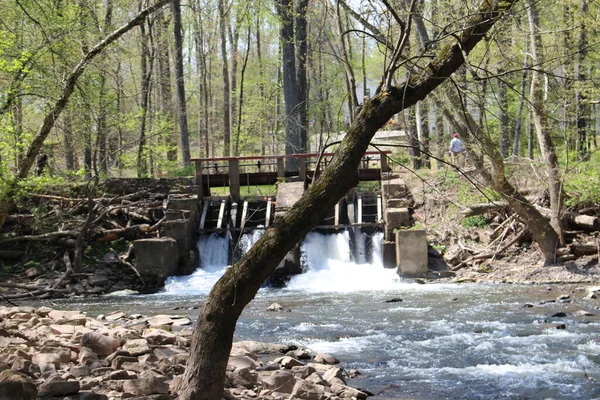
(234, 180)
(280, 167)
(198, 168)
(302, 169)
(383, 162)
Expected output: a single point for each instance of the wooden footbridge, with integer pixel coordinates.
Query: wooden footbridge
(236, 214)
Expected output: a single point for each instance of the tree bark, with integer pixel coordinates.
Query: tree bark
(540, 119)
(213, 335)
(180, 85)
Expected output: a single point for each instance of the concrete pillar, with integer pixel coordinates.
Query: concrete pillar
(411, 252)
(280, 167)
(395, 218)
(388, 256)
(156, 259)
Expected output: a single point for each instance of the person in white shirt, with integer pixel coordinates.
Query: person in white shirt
(456, 150)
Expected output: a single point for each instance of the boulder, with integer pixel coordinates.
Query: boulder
(15, 385)
(100, 344)
(282, 381)
(326, 359)
(148, 384)
(306, 390)
(263, 348)
(57, 386)
(137, 347)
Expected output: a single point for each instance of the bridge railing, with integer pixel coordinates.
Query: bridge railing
(226, 170)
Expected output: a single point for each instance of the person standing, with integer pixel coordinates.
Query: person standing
(456, 149)
(41, 161)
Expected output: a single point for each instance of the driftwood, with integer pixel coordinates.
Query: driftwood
(491, 254)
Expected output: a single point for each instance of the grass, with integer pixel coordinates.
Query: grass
(257, 190)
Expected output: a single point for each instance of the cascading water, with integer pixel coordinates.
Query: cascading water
(214, 253)
(326, 260)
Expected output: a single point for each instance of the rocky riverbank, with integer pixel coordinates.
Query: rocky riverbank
(53, 354)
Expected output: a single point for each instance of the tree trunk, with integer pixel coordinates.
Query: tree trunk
(519, 116)
(164, 84)
(180, 84)
(301, 72)
(540, 119)
(213, 335)
(226, 88)
(291, 95)
(146, 74)
(582, 108)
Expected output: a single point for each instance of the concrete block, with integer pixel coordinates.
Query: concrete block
(395, 218)
(156, 259)
(393, 188)
(388, 255)
(411, 252)
(182, 231)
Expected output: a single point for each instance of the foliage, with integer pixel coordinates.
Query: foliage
(583, 186)
(475, 221)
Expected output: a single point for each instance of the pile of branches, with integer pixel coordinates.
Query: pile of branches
(509, 230)
(68, 225)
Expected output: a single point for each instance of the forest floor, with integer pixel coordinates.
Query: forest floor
(440, 198)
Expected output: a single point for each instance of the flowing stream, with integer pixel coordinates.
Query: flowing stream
(435, 341)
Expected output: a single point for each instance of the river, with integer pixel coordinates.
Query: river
(435, 341)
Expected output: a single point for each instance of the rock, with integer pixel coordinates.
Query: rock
(35, 271)
(306, 390)
(56, 386)
(87, 396)
(334, 373)
(115, 316)
(326, 359)
(275, 307)
(40, 359)
(282, 381)
(67, 317)
(582, 313)
(263, 348)
(159, 337)
(137, 347)
(87, 356)
(302, 372)
(79, 371)
(288, 362)
(160, 320)
(100, 344)
(64, 354)
(120, 360)
(148, 384)
(239, 362)
(394, 300)
(15, 385)
(348, 392)
(98, 280)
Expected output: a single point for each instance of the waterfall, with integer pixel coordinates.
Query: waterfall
(328, 266)
(214, 253)
(326, 260)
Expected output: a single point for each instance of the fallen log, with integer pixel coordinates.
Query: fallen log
(128, 233)
(45, 236)
(584, 249)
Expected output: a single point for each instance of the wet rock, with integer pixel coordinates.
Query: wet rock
(394, 300)
(263, 348)
(15, 385)
(582, 313)
(324, 358)
(288, 362)
(275, 307)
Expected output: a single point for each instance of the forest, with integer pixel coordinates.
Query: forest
(138, 89)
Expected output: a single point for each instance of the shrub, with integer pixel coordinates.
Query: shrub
(476, 221)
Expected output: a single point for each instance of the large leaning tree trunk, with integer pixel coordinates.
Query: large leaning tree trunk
(6, 199)
(213, 336)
